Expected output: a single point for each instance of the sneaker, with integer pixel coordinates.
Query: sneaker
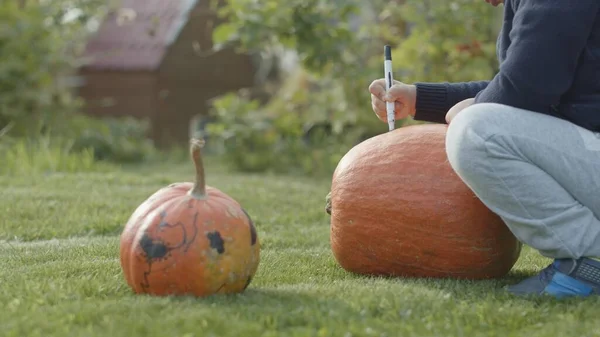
(563, 278)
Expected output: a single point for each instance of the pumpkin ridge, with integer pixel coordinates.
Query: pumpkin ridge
(132, 228)
(139, 255)
(253, 235)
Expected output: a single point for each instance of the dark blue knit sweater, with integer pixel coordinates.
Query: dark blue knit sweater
(549, 54)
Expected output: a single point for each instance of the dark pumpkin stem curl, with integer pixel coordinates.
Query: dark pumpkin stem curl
(199, 189)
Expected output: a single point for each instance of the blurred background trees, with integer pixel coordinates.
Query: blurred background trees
(340, 48)
(40, 113)
(323, 55)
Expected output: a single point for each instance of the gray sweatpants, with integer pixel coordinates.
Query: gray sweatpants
(539, 173)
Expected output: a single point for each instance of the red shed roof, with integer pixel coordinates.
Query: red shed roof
(137, 36)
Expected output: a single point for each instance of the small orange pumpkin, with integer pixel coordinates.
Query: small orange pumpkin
(189, 239)
(398, 209)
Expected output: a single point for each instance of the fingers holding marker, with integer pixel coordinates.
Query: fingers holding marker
(379, 107)
(377, 103)
(380, 110)
(401, 94)
(377, 88)
(397, 91)
(400, 111)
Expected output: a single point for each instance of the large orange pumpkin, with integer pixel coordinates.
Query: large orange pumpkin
(398, 209)
(189, 239)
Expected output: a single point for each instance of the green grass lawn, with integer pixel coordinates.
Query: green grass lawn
(60, 274)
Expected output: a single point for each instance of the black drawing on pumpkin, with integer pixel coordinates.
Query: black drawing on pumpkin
(155, 246)
(248, 282)
(216, 241)
(253, 235)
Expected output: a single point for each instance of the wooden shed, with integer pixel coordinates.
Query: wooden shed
(148, 60)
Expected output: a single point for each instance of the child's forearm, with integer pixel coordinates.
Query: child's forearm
(435, 99)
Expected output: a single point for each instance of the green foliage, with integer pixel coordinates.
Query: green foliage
(432, 40)
(33, 61)
(39, 47)
(318, 29)
(22, 156)
(450, 41)
(121, 140)
(89, 145)
(260, 139)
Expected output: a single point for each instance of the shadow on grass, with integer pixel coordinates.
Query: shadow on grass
(486, 290)
(364, 300)
(268, 297)
(278, 308)
(322, 295)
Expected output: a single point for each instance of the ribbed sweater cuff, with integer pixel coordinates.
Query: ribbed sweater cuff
(432, 102)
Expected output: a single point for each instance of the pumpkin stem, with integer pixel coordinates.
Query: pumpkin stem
(328, 203)
(199, 189)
